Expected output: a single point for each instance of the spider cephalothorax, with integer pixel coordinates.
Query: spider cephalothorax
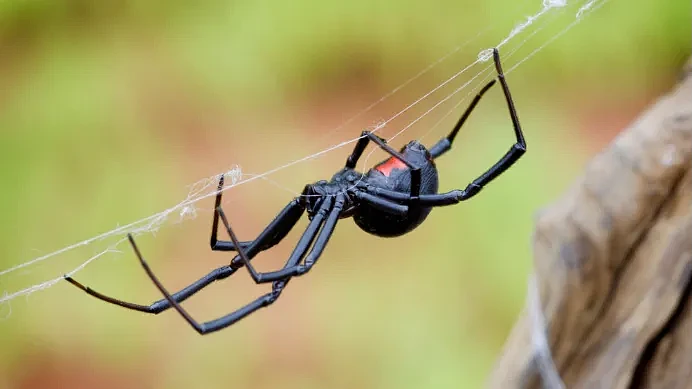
(391, 199)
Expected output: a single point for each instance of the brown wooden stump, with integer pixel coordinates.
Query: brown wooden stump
(610, 302)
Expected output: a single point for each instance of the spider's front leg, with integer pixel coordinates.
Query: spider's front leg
(516, 151)
(366, 136)
(511, 156)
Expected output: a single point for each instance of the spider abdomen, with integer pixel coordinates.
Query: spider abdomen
(394, 175)
(385, 225)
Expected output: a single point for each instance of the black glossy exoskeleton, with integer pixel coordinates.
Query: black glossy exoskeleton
(391, 199)
(395, 176)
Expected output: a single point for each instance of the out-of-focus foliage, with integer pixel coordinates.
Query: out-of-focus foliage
(109, 108)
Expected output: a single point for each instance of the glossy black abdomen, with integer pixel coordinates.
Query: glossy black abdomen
(391, 174)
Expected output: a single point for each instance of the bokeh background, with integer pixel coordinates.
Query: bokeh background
(110, 109)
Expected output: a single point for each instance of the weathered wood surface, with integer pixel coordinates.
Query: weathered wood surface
(612, 264)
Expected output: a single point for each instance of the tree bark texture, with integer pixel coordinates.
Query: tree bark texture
(609, 305)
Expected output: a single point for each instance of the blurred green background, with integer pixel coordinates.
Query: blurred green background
(109, 109)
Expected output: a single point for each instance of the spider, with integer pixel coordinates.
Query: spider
(393, 198)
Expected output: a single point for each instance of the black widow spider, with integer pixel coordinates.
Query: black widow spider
(393, 198)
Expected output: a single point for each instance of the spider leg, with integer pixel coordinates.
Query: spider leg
(367, 136)
(160, 305)
(213, 325)
(395, 199)
(215, 244)
(445, 144)
(358, 150)
(394, 203)
(272, 234)
(292, 267)
(383, 204)
(516, 150)
(509, 158)
(299, 251)
(262, 301)
(279, 227)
